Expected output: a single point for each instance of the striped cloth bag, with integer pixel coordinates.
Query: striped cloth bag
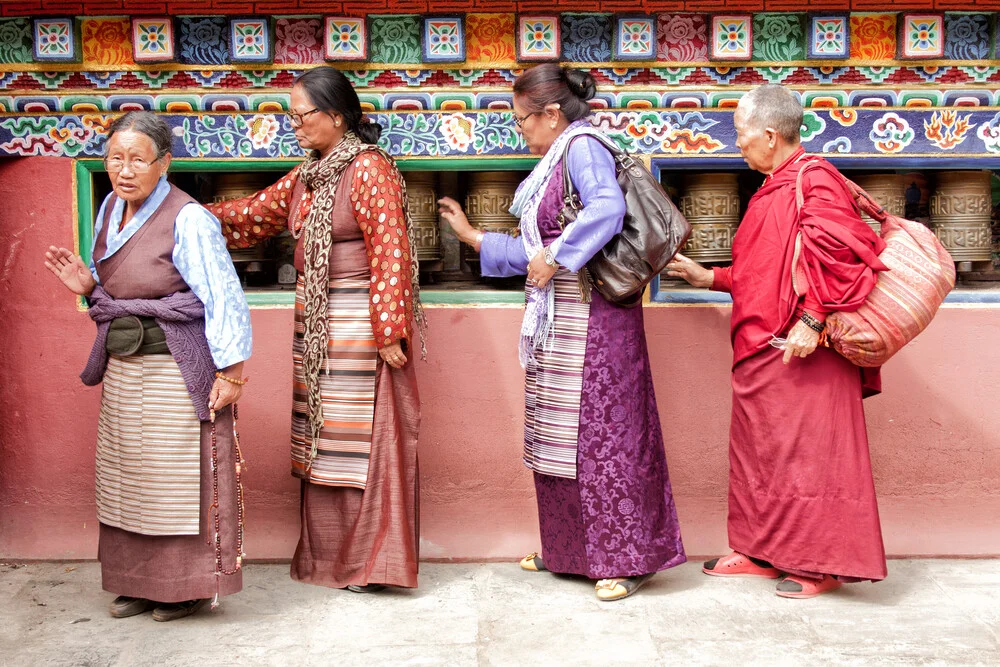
(905, 298)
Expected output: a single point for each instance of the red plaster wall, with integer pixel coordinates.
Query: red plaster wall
(935, 431)
(363, 7)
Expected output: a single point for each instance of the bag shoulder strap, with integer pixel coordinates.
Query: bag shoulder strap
(569, 192)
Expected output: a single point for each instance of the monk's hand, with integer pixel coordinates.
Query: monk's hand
(800, 342)
(691, 271)
(393, 355)
(539, 272)
(71, 270)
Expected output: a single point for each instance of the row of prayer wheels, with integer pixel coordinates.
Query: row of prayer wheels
(959, 212)
(487, 205)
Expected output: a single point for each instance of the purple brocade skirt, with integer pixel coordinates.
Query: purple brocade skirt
(617, 519)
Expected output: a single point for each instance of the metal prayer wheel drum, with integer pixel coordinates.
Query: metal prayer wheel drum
(889, 190)
(236, 186)
(489, 199)
(711, 203)
(422, 205)
(960, 216)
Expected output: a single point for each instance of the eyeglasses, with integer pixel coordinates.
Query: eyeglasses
(137, 165)
(297, 118)
(519, 120)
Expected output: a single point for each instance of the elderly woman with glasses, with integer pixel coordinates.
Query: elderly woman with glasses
(173, 331)
(355, 408)
(592, 431)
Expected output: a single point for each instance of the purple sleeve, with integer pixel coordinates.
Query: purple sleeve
(502, 256)
(593, 172)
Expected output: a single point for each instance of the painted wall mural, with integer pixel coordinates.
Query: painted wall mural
(874, 83)
(656, 133)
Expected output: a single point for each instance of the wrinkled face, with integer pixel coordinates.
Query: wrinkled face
(319, 130)
(537, 126)
(133, 165)
(756, 145)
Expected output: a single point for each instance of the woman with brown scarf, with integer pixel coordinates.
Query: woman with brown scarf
(355, 408)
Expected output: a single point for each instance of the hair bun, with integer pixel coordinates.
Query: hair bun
(580, 83)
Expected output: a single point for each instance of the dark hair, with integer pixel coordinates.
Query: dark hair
(330, 91)
(552, 84)
(144, 122)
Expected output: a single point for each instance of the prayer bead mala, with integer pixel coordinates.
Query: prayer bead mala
(219, 569)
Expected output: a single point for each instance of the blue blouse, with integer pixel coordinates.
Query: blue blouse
(592, 170)
(201, 258)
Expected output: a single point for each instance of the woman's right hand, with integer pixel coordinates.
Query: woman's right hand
(452, 212)
(691, 271)
(71, 270)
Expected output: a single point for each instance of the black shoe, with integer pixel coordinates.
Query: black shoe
(124, 606)
(369, 588)
(174, 610)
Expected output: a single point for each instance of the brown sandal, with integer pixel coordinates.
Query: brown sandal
(620, 588)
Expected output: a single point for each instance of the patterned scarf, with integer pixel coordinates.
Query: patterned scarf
(322, 176)
(539, 312)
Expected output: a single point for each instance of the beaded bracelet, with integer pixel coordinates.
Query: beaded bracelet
(222, 376)
(812, 322)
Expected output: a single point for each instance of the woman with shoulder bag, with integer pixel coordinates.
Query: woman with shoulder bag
(592, 430)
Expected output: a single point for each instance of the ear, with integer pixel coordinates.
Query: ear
(552, 111)
(165, 161)
(772, 137)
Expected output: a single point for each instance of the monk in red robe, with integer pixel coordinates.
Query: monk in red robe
(801, 496)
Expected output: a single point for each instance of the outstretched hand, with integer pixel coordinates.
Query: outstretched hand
(691, 271)
(71, 270)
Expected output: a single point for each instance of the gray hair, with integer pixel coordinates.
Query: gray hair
(773, 106)
(144, 122)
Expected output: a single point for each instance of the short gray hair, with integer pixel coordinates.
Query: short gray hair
(144, 122)
(773, 106)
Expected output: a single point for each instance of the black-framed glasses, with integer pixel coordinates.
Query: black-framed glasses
(137, 165)
(519, 120)
(297, 118)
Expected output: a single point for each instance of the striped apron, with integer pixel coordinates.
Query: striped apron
(148, 474)
(347, 387)
(553, 385)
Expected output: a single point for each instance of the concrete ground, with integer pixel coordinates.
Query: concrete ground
(926, 612)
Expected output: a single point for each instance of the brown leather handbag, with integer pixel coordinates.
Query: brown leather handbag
(652, 233)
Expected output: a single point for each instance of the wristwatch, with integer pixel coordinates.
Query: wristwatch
(549, 259)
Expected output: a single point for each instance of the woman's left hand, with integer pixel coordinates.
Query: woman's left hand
(223, 394)
(393, 355)
(540, 273)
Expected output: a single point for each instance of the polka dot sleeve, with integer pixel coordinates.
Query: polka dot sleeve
(377, 195)
(249, 220)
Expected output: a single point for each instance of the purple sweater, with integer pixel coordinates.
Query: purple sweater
(181, 315)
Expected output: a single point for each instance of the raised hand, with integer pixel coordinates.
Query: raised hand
(691, 271)
(71, 270)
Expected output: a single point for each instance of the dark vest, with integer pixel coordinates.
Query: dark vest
(143, 268)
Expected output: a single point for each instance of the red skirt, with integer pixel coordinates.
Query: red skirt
(801, 494)
(355, 537)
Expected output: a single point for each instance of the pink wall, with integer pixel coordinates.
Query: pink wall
(934, 431)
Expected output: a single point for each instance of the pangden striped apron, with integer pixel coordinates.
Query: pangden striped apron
(148, 475)
(347, 387)
(553, 385)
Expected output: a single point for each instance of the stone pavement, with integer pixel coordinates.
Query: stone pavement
(926, 612)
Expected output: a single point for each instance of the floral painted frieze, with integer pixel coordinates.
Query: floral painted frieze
(700, 133)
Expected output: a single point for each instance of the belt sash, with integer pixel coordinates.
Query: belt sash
(347, 388)
(554, 383)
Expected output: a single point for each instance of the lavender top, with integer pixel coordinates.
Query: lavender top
(592, 170)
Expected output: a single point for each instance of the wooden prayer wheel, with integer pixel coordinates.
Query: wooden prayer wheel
(889, 190)
(488, 202)
(960, 211)
(711, 203)
(422, 204)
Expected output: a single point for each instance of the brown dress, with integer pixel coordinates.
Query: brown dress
(178, 567)
(351, 536)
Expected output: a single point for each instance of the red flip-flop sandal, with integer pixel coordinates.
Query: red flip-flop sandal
(800, 588)
(738, 565)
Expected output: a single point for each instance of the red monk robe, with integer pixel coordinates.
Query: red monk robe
(801, 494)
